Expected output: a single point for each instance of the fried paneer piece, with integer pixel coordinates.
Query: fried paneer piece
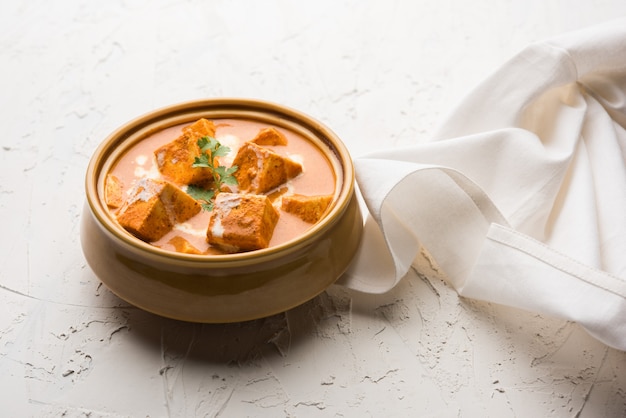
(113, 191)
(261, 170)
(241, 222)
(181, 245)
(270, 136)
(154, 207)
(175, 159)
(308, 208)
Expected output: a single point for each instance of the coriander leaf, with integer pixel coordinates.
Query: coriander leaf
(230, 181)
(220, 171)
(210, 149)
(221, 151)
(204, 143)
(208, 206)
(214, 143)
(202, 161)
(203, 195)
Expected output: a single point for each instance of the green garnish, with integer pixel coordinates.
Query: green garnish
(204, 196)
(211, 149)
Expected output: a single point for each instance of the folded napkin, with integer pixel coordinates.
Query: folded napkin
(521, 197)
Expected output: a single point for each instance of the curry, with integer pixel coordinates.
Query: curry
(220, 186)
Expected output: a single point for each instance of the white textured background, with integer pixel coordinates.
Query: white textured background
(380, 73)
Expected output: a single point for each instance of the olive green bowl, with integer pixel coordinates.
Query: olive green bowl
(220, 288)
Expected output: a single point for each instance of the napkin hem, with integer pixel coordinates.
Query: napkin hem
(558, 260)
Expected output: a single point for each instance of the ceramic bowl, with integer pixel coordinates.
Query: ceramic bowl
(229, 287)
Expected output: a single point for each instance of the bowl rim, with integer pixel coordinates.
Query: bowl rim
(103, 154)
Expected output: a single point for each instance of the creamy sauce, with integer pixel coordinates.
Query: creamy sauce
(317, 177)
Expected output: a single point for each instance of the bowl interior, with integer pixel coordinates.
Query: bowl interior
(138, 129)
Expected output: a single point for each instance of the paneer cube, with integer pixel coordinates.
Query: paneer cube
(270, 136)
(154, 207)
(308, 208)
(113, 191)
(175, 159)
(241, 222)
(261, 170)
(181, 245)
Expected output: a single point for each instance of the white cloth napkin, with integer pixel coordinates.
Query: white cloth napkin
(521, 197)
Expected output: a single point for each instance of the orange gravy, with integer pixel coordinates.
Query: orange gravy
(317, 177)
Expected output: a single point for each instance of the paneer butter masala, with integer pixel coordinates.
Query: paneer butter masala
(220, 186)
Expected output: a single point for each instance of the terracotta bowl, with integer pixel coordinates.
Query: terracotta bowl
(230, 287)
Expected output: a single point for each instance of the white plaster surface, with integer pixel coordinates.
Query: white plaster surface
(380, 73)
